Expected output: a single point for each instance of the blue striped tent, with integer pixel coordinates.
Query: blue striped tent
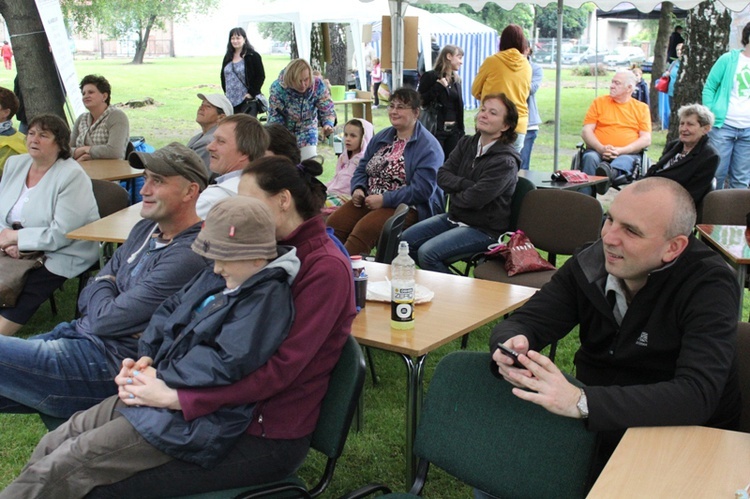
(477, 40)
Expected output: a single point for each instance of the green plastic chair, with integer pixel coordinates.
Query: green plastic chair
(330, 434)
(475, 429)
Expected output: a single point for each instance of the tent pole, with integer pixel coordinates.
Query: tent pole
(558, 82)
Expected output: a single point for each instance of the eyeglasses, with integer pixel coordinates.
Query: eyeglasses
(398, 107)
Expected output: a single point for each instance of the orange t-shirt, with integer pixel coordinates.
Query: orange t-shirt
(618, 124)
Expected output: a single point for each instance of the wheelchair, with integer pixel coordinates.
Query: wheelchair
(640, 167)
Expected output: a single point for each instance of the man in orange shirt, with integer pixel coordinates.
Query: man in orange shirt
(616, 129)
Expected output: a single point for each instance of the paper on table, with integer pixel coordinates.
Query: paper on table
(381, 291)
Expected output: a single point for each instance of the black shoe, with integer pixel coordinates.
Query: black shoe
(603, 170)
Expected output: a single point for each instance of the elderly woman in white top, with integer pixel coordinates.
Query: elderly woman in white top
(103, 132)
(44, 195)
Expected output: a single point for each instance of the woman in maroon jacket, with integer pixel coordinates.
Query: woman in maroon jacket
(289, 388)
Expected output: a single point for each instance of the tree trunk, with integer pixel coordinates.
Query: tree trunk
(37, 76)
(316, 50)
(660, 60)
(707, 39)
(336, 70)
(142, 44)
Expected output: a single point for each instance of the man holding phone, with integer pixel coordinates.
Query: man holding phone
(657, 311)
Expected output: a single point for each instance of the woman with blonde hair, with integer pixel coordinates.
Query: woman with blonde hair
(301, 101)
(443, 86)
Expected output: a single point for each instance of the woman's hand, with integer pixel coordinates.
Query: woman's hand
(8, 237)
(358, 198)
(82, 153)
(444, 82)
(327, 130)
(374, 201)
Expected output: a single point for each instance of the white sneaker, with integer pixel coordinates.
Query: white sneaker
(374, 106)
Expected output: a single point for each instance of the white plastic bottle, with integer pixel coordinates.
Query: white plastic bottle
(403, 287)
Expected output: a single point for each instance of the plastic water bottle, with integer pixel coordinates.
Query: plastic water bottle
(403, 287)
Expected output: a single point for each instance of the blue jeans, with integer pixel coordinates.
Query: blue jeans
(57, 373)
(528, 145)
(437, 240)
(591, 160)
(733, 145)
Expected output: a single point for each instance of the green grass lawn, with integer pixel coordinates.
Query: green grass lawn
(375, 454)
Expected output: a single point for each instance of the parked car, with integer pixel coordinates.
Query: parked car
(647, 65)
(591, 56)
(625, 56)
(573, 54)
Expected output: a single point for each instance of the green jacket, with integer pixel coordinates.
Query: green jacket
(719, 85)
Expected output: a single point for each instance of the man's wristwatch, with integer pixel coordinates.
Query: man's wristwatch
(583, 405)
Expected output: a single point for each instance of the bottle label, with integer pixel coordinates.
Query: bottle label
(402, 305)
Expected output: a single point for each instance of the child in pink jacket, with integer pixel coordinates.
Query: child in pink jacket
(357, 134)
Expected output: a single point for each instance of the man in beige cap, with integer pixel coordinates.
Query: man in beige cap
(214, 332)
(238, 140)
(72, 367)
(213, 109)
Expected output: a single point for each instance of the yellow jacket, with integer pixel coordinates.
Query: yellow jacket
(507, 72)
(11, 145)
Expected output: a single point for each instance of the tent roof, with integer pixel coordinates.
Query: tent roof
(628, 11)
(457, 23)
(606, 5)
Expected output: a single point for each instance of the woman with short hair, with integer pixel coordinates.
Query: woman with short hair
(301, 101)
(103, 132)
(44, 195)
(691, 160)
(12, 141)
(400, 165)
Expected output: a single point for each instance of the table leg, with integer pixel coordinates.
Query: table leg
(414, 393)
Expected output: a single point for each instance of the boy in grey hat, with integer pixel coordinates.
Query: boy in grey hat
(220, 327)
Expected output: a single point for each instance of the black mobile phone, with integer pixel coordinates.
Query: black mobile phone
(512, 354)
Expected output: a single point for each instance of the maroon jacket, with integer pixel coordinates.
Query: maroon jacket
(290, 387)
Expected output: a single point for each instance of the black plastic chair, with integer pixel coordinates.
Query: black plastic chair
(390, 235)
(475, 429)
(743, 357)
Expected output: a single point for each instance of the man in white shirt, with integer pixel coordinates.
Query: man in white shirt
(213, 109)
(238, 140)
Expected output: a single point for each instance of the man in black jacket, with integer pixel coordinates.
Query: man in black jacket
(657, 311)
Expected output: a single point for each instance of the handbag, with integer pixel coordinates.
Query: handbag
(662, 84)
(520, 255)
(13, 273)
(428, 116)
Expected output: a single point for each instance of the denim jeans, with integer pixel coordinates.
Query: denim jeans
(733, 145)
(528, 145)
(57, 373)
(437, 240)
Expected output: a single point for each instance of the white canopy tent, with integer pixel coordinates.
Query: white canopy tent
(303, 13)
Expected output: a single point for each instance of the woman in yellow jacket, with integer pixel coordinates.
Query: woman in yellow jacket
(12, 142)
(509, 72)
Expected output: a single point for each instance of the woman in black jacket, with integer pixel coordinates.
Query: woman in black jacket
(242, 73)
(442, 85)
(480, 177)
(691, 161)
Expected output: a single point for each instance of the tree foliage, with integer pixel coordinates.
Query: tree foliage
(492, 15)
(707, 27)
(130, 18)
(574, 21)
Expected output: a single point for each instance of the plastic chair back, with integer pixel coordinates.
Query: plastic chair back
(474, 428)
(390, 236)
(110, 197)
(559, 221)
(523, 187)
(725, 207)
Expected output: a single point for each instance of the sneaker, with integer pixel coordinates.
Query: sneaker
(374, 106)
